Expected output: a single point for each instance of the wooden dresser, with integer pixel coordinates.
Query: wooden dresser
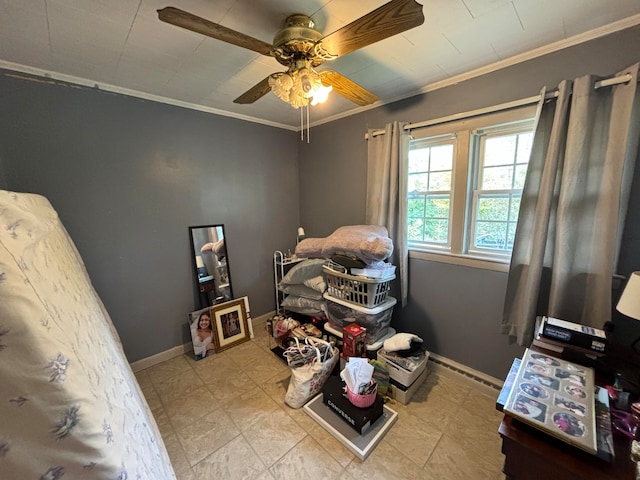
(533, 455)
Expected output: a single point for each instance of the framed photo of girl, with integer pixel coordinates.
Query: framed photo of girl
(201, 327)
(230, 324)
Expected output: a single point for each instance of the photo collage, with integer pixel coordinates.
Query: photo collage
(557, 397)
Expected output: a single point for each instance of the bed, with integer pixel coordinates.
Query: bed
(70, 406)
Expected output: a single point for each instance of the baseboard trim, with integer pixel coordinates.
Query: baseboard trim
(462, 373)
(437, 363)
(257, 322)
(161, 357)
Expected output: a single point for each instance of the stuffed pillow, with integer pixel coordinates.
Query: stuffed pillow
(305, 306)
(316, 283)
(304, 270)
(301, 291)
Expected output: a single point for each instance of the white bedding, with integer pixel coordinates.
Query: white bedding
(70, 407)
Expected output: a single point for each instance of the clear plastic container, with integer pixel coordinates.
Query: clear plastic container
(376, 320)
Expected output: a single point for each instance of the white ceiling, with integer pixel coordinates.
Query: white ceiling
(121, 45)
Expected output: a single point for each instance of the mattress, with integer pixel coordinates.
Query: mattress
(70, 406)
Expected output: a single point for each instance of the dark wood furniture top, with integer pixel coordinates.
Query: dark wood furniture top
(534, 455)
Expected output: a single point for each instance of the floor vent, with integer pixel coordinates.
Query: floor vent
(477, 379)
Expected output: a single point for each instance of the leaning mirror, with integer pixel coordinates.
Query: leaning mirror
(211, 264)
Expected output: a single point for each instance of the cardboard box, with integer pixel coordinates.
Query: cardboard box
(403, 394)
(360, 419)
(354, 341)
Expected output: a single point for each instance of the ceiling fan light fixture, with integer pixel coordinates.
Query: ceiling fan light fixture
(299, 88)
(320, 94)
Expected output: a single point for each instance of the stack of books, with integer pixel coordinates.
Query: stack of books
(557, 335)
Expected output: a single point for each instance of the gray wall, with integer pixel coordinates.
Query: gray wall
(456, 309)
(128, 177)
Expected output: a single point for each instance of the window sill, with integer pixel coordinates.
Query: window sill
(463, 260)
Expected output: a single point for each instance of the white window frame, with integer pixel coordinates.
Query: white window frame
(464, 187)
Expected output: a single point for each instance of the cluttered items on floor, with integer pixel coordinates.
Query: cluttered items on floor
(331, 283)
(351, 408)
(406, 360)
(311, 363)
(353, 341)
(359, 418)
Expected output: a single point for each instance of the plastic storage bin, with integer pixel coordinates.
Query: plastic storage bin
(372, 348)
(402, 375)
(362, 291)
(376, 320)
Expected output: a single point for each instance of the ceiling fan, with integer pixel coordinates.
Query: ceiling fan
(301, 48)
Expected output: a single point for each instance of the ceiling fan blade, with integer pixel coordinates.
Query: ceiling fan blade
(390, 19)
(183, 19)
(254, 93)
(347, 88)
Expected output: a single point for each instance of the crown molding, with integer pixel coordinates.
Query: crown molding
(514, 60)
(85, 82)
(508, 62)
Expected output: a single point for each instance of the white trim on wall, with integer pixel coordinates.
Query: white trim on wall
(523, 57)
(178, 350)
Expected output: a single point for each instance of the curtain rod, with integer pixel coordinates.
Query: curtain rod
(503, 106)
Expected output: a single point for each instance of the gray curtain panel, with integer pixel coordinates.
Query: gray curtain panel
(386, 202)
(573, 205)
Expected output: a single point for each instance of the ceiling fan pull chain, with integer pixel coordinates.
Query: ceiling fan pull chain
(301, 125)
(308, 131)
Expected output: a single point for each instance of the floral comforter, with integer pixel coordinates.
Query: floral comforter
(70, 406)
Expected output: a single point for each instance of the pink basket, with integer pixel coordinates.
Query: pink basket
(362, 401)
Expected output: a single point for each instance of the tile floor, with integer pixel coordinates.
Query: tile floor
(224, 417)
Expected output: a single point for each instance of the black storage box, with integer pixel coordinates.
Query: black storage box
(360, 419)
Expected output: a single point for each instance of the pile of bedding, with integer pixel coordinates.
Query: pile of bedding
(304, 286)
(369, 243)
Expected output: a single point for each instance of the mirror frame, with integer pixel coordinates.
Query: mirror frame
(194, 253)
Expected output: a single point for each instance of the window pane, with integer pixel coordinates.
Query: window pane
(511, 235)
(491, 235)
(438, 206)
(415, 229)
(521, 173)
(525, 140)
(419, 160)
(497, 178)
(442, 157)
(418, 182)
(493, 208)
(515, 207)
(500, 150)
(436, 231)
(428, 218)
(440, 181)
(415, 206)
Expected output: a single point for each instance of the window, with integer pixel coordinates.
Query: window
(429, 186)
(465, 182)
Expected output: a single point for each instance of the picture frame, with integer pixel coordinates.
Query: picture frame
(230, 324)
(201, 333)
